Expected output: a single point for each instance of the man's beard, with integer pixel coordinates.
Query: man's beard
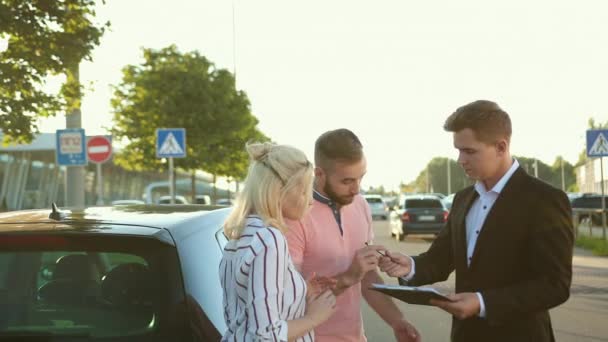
(341, 200)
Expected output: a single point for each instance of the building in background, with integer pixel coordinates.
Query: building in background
(30, 178)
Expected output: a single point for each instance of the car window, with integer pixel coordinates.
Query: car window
(373, 200)
(422, 203)
(592, 202)
(70, 286)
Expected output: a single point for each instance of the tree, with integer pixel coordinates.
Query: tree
(437, 176)
(45, 38)
(569, 175)
(173, 89)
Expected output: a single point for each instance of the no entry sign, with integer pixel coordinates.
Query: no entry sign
(99, 149)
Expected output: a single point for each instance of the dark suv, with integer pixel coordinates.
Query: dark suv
(424, 214)
(128, 273)
(589, 201)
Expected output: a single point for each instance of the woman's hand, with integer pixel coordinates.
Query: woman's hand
(320, 308)
(317, 285)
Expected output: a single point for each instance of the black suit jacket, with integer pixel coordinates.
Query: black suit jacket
(521, 265)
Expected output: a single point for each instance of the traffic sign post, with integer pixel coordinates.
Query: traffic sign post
(70, 147)
(99, 151)
(597, 146)
(171, 143)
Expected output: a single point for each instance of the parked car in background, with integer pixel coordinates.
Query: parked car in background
(418, 214)
(590, 202)
(378, 208)
(202, 199)
(573, 195)
(447, 201)
(167, 200)
(391, 202)
(128, 202)
(437, 194)
(224, 201)
(126, 273)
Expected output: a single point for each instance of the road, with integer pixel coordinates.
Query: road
(584, 317)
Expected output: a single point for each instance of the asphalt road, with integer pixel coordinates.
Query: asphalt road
(584, 317)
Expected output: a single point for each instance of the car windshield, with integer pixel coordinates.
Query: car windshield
(75, 286)
(422, 203)
(373, 200)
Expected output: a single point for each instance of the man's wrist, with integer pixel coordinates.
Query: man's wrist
(396, 321)
(345, 280)
(407, 277)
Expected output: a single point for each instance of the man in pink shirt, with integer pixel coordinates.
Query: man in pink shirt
(332, 241)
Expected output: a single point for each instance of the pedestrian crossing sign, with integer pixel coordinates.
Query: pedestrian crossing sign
(597, 142)
(171, 143)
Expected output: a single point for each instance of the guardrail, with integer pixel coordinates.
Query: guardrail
(582, 220)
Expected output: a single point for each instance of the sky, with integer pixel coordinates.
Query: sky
(391, 71)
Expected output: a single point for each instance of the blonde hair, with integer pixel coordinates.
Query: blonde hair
(274, 171)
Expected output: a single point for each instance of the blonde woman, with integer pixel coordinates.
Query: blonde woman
(264, 295)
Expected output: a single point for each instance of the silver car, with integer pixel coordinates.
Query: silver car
(378, 207)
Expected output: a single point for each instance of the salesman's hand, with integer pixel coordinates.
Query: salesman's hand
(396, 264)
(462, 306)
(405, 331)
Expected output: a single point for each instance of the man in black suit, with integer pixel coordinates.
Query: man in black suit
(509, 238)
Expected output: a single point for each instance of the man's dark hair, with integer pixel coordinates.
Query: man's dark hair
(485, 118)
(340, 145)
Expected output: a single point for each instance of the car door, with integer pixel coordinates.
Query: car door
(200, 254)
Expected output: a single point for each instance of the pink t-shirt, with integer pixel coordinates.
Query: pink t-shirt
(317, 245)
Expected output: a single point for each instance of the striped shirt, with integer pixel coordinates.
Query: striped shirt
(262, 289)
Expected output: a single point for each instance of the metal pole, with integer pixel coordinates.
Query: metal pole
(74, 174)
(171, 181)
(233, 44)
(99, 185)
(603, 199)
(449, 178)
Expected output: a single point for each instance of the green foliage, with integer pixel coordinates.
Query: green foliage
(45, 37)
(550, 174)
(597, 246)
(377, 191)
(174, 89)
(437, 169)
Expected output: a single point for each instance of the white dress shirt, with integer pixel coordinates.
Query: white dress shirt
(475, 219)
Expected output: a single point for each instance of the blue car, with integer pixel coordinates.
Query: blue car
(418, 214)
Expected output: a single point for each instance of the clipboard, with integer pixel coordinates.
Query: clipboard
(410, 294)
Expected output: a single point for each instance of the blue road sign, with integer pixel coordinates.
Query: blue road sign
(170, 142)
(597, 142)
(70, 147)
